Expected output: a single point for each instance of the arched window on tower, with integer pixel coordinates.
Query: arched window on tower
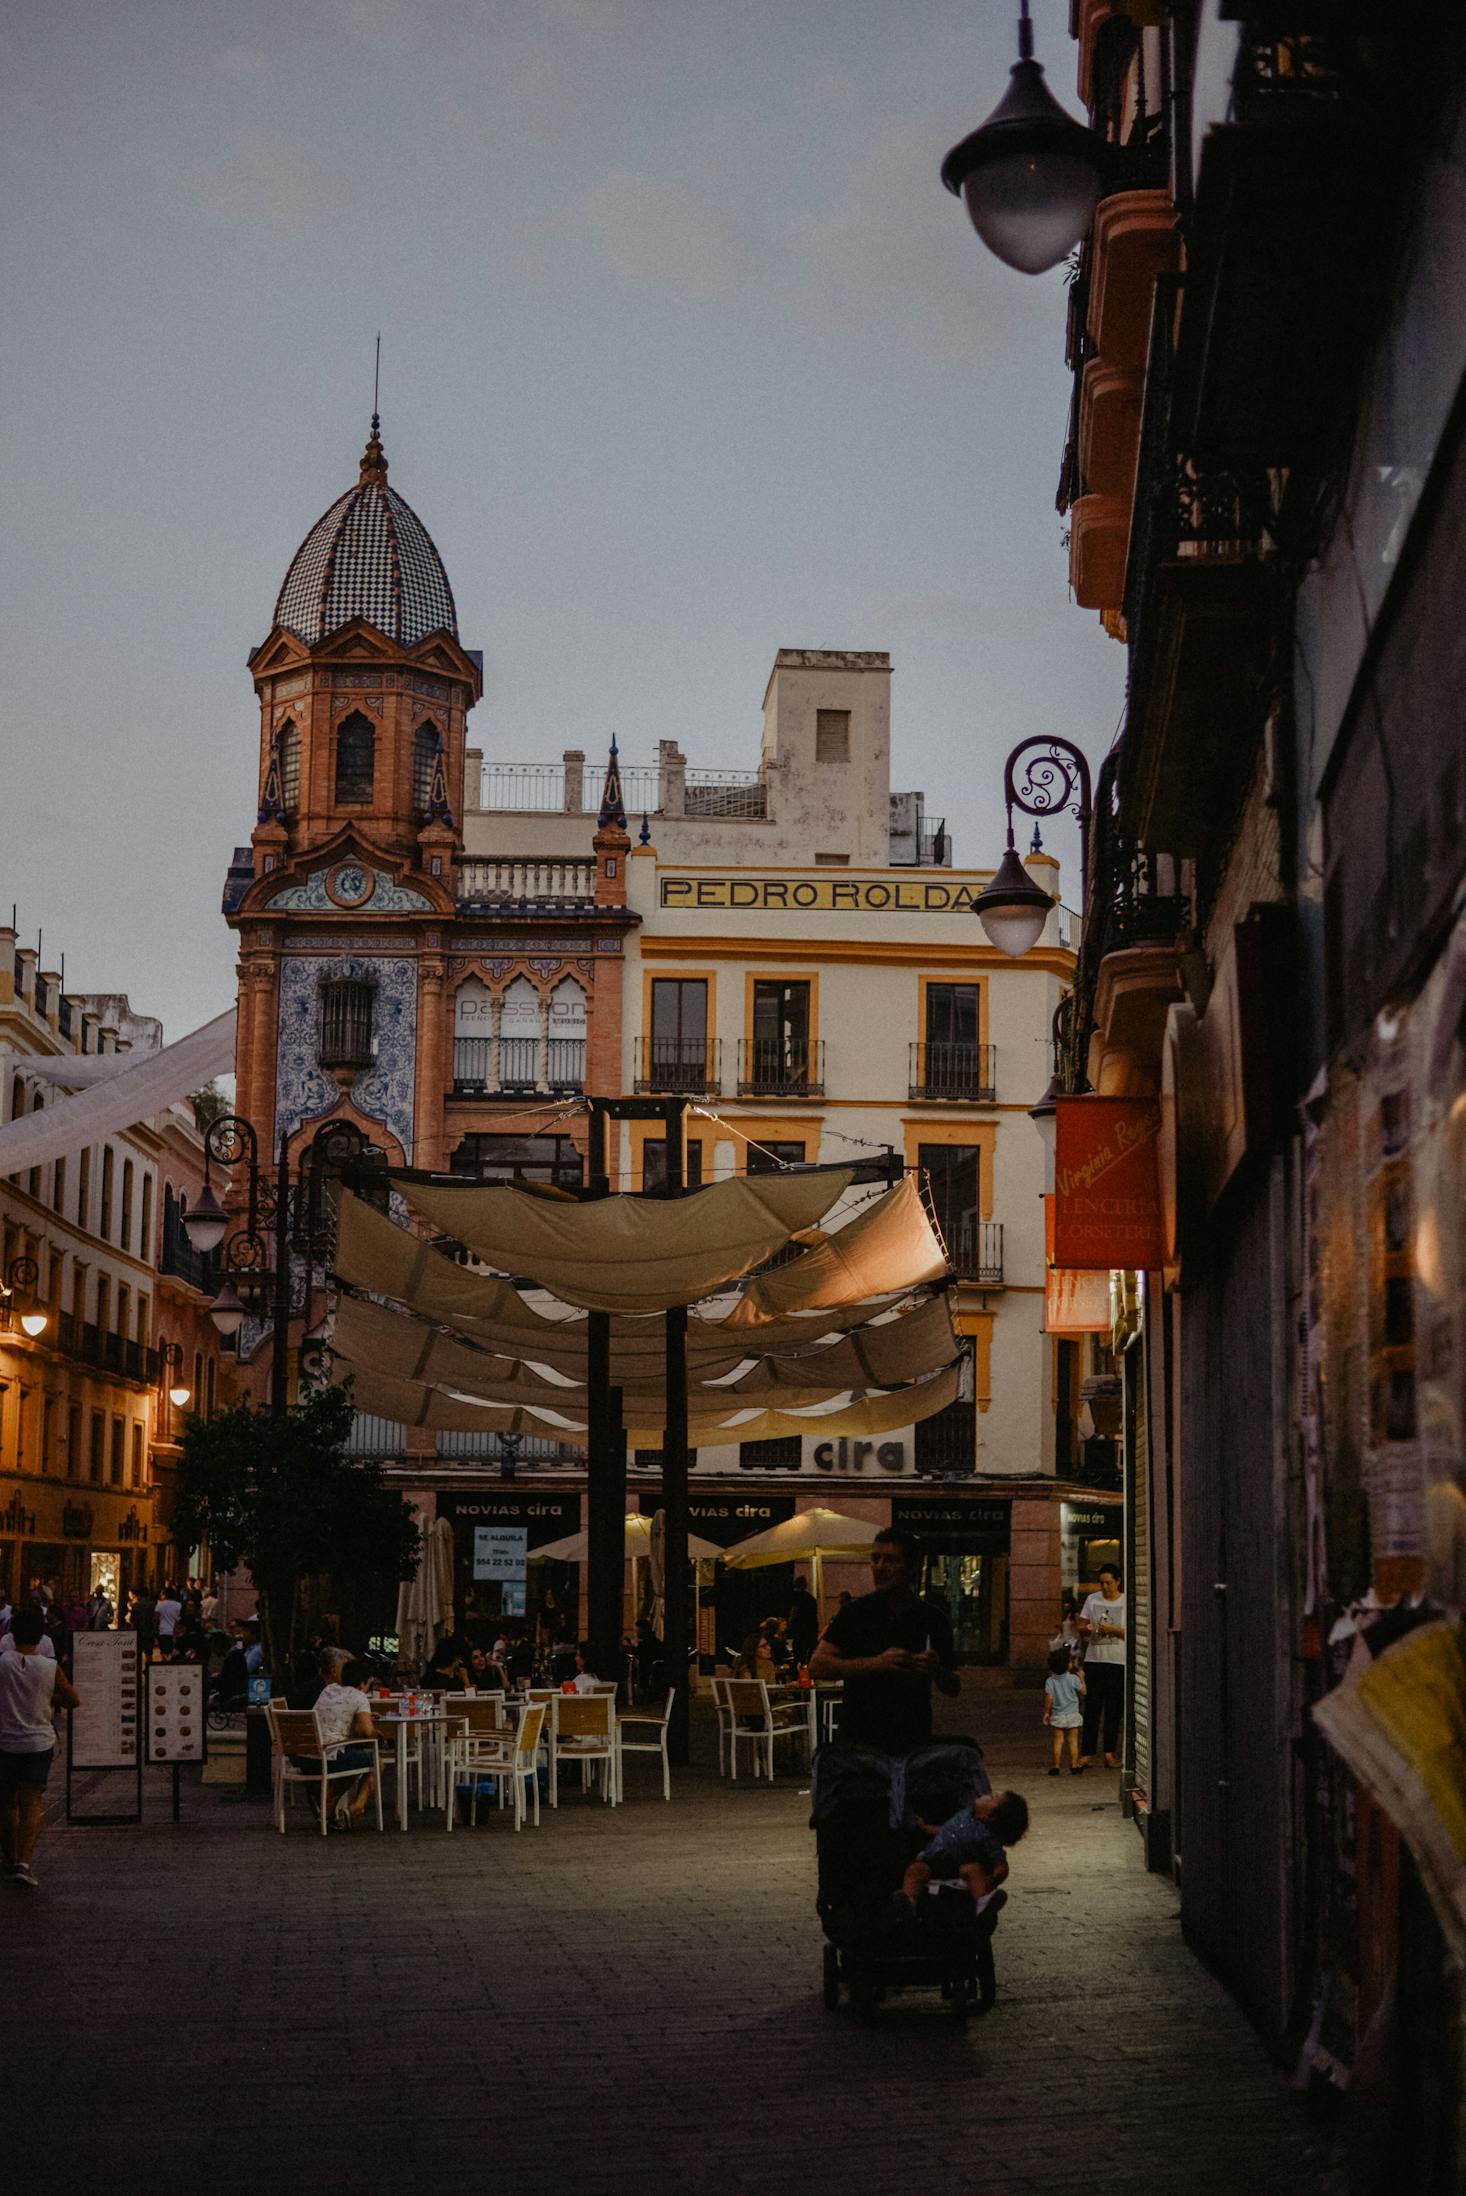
(424, 756)
(567, 1035)
(288, 738)
(356, 742)
(519, 1036)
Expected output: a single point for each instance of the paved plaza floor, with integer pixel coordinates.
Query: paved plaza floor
(621, 2001)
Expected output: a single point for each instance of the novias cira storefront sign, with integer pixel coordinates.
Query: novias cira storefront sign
(1107, 1204)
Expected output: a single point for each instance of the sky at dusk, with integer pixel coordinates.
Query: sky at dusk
(686, 356)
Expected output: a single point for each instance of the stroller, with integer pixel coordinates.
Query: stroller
(864, 1804)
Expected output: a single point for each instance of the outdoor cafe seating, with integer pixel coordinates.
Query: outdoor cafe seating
(299, 1761)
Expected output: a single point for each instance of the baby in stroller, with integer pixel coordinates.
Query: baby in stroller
(970, 1845)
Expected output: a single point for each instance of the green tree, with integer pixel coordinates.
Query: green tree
(283, 1496)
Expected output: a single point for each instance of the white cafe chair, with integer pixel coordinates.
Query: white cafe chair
(654, 1728)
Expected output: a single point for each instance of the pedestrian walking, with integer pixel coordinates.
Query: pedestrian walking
(32, 1687)
(100, 1611)
(1063, 1707)
(1102, 1621)
(169, 1609)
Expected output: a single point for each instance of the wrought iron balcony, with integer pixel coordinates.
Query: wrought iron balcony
(178, 1257)
(782, 1067)
(975, 1248)
(486, 1065)
(952, 1071)
(674, 1064)
(946, 1444)
(106, 1352)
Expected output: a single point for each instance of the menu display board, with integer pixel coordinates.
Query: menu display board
(175, 1712)
(105, 1672)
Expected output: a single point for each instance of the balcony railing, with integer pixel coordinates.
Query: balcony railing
(674, 1064)
(952, 1071)
(179, 1258)
(532, 1452)
(507, 882)
(975, 1248)
(550, 789)
(517, 1064)
(781, 1067)
(107, 1353)
(738, 794)
(946, 1444)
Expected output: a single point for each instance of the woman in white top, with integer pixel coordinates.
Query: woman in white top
(1102, 1621)
(32, 1687)
(344, 1715)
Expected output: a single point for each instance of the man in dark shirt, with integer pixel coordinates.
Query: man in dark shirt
(890, 1649)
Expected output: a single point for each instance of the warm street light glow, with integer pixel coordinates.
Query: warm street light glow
(35, 1322)
(1013, 909)
(179, 1396)
(1031, 175)
(205, 1222)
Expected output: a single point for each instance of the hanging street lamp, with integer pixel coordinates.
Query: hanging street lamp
(1031, 176)
(18, 1298)
(1013, 908)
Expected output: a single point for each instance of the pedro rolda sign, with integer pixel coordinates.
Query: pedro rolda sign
(1107, 1205)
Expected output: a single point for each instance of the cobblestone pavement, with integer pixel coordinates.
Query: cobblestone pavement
(622, 2001)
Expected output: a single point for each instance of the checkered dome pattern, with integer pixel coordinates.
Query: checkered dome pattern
(369, 557)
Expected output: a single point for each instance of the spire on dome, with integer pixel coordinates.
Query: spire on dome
(613, 803)
(373, 457)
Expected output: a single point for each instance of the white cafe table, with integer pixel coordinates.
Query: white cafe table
(432, 1724)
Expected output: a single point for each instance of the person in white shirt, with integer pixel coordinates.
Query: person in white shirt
(1102, 1622)
(43, 1648)
(32, 1688)
(166, 1615)
(345, 1717)
(587, 1676)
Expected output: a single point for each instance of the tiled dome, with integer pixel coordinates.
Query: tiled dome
(369, 557)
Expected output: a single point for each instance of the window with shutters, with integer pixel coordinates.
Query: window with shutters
(424, 757)
(832, 735)
(288, 749)
(346, 1024)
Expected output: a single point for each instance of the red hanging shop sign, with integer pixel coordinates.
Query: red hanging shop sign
(1107, 1204)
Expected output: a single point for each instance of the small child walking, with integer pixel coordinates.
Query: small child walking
(1063, 1714)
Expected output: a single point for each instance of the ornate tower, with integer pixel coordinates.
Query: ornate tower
(343, 898)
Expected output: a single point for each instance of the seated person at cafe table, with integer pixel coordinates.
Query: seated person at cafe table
(344, 1715)
(889, 1648)
(446, 1669)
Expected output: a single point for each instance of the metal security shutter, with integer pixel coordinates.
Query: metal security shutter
(1137, 1570)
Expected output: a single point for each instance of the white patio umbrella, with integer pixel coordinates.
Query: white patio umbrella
(424, 1600)
(805, 1538)
(638, 1544)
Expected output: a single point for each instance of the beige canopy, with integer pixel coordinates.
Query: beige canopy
(811, 1533)
(887, 1249)
(373, 1253)
(723, 1374)
(442, 1410)
(631, 1253)
(638, 1544)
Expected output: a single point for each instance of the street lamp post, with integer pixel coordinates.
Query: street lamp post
(1055, 778)
(279, 1212)
(179, 1392)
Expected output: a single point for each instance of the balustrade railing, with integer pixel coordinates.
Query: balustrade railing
(784, 1067)
(557, 883)
(954, 1071)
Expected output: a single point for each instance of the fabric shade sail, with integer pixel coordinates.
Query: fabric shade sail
(885, 1250)
(446, 1410)
(638, 1545)
(631, 1254)
(810, 1533)
(721, 1374)
(141, 1087)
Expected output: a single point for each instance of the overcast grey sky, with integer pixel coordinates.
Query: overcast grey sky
(686, 357)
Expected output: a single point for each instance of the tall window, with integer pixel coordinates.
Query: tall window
(679, 1040)
(105, 1225)
(84, 1188)
(288, 750)
(946, 1443)
(346, 1024)
(952, 1065)
(35, 1174)
(356, 747)
(96, 1459)
(145, 1228)
(125, 1238)
(952, 1180)
(567, 1035)
(58, 1187)
(209, 1372)
(119, 1450)
(654, 1163)
(519, 1037)
(424, 756)
(780, 1059)
(137, 1452)
(48, 1431)
(104, 1302)
(490, 1158)
(73, 1440)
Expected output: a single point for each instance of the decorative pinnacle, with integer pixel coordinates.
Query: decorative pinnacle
(374, 457)
(1037, 846)
(644, 836)
(613, 803)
